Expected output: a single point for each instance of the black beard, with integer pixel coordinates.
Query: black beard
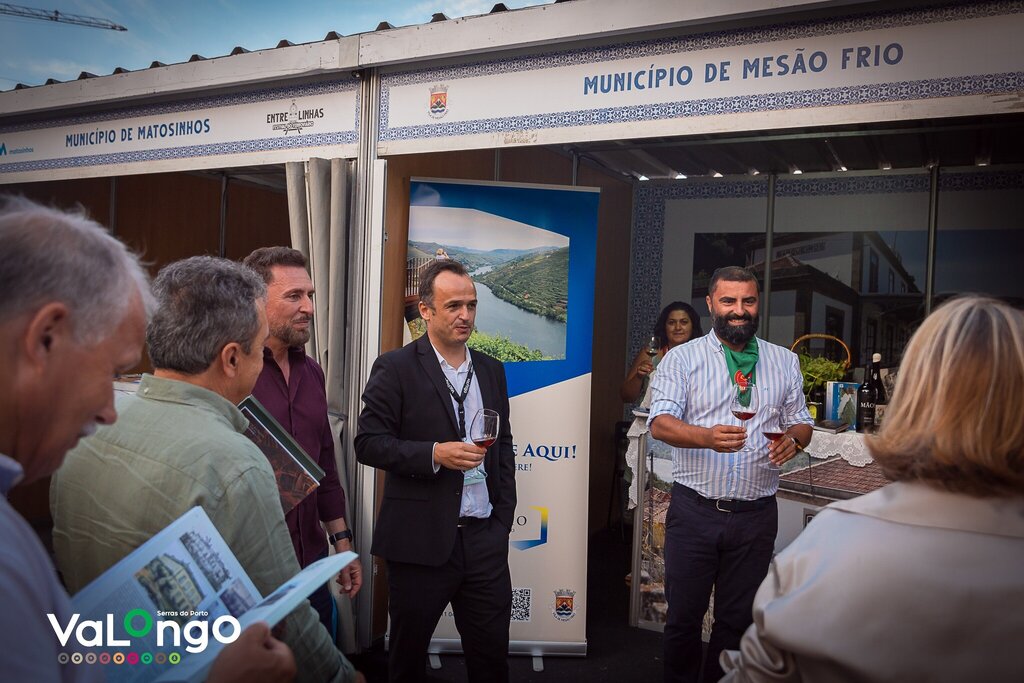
(735, 334)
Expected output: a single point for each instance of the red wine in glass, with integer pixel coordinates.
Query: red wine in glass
(744, 406)
(483, 431)
(772, 436)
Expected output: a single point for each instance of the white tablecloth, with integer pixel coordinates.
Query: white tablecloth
(850, 445)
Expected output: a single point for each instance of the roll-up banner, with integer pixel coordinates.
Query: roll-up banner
(530, 250)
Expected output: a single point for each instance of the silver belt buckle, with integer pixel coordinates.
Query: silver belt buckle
(718, 505)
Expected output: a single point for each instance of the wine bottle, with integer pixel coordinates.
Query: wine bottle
(881, 400)
(866, 397)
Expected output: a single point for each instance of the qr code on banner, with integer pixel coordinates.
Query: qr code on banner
(521, 604)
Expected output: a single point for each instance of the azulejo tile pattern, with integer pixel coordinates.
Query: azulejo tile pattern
(213, 102)
(839, 96)
(989, 84)
(189, 151)
(966, 181)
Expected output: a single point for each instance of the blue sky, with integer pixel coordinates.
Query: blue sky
(32, 51)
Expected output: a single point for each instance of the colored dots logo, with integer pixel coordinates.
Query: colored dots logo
(119, 658)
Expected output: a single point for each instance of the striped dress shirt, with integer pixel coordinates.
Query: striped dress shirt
(693, 384)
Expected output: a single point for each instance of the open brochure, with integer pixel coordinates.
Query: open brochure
(164, 609)
(296, 473)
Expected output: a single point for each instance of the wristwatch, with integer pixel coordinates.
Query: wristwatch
(340, 536)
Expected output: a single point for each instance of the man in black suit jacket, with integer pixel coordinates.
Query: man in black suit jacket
(444, 521)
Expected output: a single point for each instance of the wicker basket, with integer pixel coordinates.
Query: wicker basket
(826, 337)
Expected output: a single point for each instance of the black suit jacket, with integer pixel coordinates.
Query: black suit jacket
(406, 409)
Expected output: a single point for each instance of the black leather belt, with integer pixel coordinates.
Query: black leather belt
(723, 504)
(469, 521)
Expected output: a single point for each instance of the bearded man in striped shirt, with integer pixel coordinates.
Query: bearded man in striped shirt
(723, 519)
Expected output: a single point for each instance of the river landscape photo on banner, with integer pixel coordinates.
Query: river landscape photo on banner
(521, 273)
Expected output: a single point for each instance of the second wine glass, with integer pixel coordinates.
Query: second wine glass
(744, 405)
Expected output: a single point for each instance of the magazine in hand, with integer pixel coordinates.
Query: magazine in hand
(181, 581)
(296, 473)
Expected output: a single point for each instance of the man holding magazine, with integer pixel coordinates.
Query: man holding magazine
(292, 388)
(179, 444)
(72, 317)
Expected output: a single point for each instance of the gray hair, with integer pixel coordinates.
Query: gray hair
(52, 255)
(203, 304)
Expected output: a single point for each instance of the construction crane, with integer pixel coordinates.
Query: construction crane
(59, 17)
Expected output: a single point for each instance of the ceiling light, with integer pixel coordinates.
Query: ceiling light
(754, 171)
(680, 176)
(886, 166)
(842, 168)
(642, 177)
(716, 174)
(796, 171)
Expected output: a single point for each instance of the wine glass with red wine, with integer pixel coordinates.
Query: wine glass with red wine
(483, 431)
(772, 426)
(744, 405)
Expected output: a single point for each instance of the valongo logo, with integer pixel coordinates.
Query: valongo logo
(138, 623)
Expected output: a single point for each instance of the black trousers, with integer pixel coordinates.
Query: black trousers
(476, 581)
(704, 548)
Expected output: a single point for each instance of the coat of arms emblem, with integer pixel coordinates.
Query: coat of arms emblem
(438, 101)
(564, 608)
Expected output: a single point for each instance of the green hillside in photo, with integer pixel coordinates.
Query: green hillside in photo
(470, 258)
(537, 282)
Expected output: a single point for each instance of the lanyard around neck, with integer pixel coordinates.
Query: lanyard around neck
(461, 399)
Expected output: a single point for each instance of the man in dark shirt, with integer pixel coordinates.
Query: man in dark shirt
(293, 389)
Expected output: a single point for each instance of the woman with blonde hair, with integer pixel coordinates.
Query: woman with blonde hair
(924, 578)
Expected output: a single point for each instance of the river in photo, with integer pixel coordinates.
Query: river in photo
(495, 316)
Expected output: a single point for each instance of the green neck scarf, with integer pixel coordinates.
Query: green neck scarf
(741, 367)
